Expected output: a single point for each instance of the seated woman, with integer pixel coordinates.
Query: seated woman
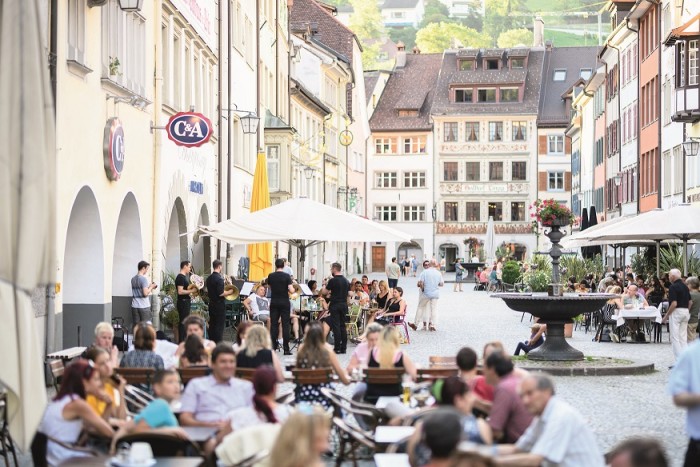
(143, 355)
(241, 332)
(388, 354)
(383, 295)
(257, 352)
(258, 306)
(157, 416)
(194, 324)
(610, 309)
(394, 310)
(68, 413)
(313, 287)
(373, 289)
(108, 402)
(302, 440)
(582, 287)
(536, 339)
(324, 316)
(104, 338)
(315, 353)
(195, 354)
(656, 292)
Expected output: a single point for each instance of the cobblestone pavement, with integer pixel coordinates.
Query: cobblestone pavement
(616, 407)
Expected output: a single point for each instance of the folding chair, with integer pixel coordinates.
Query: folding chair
(352, 439)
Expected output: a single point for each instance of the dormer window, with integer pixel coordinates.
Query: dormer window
(585, 73)
(487, 95)
(509, 94)
(516, 63)
(466, 65)
(408, 113)
(559, 74)
(491, 64)
(464, 95)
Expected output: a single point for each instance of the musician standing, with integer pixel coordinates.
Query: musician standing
(217, 304)
(338, 286)
(183, 303)
(280, 284)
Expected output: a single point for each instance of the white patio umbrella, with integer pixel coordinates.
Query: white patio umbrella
(27, 200)
(302, 222)
(681, 222)
(490, 241)
(586, 237)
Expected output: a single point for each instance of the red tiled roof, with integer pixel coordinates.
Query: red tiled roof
(331, 32)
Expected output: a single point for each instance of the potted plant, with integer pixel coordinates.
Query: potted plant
(171, 319)
(549, 213)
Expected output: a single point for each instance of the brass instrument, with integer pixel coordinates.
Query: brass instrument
(233, 296)
(297, 292)
(196, 284)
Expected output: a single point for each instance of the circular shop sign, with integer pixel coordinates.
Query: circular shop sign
(345, 137)
(113, 148)
(189, 129)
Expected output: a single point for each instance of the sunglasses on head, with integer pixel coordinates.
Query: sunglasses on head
(89, 369)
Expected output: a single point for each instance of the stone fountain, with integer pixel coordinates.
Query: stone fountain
(553, 308)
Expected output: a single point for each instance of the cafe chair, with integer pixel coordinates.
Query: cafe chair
(351, 440)
(188, 374)
(285, 398)
(164, 445)
(433, 373)
(352, 327)
(367, 416)
(38, 449)
(402, 324)
(438, 360)
(57, 368)
(302, 376)
(6, 443)
(136, 399)
(250, 461)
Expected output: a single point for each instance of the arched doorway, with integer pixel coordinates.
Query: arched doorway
(128, 251)
(407, 249)
(201, 252)
(83, 272)
(175, 244)
(450, 252)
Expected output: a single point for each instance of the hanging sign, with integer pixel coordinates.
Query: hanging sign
(113, 149)
(189, 129)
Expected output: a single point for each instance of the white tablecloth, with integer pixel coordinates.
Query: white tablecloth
(644, 313)
(392, 434)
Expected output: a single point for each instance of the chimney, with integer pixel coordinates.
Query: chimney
(400, 55)
(538, 31)
(416, 50)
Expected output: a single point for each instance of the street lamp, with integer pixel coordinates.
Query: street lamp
(309, 172)
(691, 147)
(130, 5)
(617, 179)
(249, 120)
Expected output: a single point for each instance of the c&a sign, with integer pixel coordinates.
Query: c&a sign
(189, 129)
(113, 149)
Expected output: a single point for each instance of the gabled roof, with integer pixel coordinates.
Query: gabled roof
(451, 76)
(331, 32)
(411, 87)
(553, 110)
(371, 78)
(397, 4)
(685, 30)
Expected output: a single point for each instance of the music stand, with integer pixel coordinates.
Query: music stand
(247, 289)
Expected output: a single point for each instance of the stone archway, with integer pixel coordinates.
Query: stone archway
(128, 251)
(176, 243)
(83, 272)
(201, 251)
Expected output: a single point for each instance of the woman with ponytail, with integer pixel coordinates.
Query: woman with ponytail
(265, 408)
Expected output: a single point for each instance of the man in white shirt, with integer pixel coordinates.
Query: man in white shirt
(429, 281)
(558, 435)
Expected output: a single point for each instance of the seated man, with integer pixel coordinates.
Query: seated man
(440, 431)
(208, 400)
(258, 306)
(638, 452)
(194, 325)
(558, 435)
(508, 417)
(633, 300)
(157, 416)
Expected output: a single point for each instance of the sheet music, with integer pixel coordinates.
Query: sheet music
(305, 290)
(247, 288)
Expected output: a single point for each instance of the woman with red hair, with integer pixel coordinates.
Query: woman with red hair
(68, 413)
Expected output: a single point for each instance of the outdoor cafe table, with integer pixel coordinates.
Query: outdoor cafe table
(102, 461)
(392, 434)
(200, 434)
(643, 313)
(391, 460)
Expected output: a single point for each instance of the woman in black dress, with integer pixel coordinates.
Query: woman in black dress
(388, 354)
(394, 310)
(257, 352)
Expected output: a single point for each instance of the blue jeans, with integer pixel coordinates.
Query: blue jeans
(527, 348)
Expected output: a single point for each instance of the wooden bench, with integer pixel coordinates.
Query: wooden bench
(245, 373)
(67, 354)
(142, 376)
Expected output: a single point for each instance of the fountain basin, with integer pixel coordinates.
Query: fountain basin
(555, 312)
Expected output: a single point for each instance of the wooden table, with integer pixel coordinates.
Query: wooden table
(102, 461)
(67, 354)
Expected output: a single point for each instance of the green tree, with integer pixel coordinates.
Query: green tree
(437, 37)
(405, 35)
(498, 19)
(366, 23)
(515, 37)
(435, 12)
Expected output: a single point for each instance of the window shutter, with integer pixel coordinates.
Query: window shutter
(542, 145)
(567, 142)
(567, 181)
(542, 182)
